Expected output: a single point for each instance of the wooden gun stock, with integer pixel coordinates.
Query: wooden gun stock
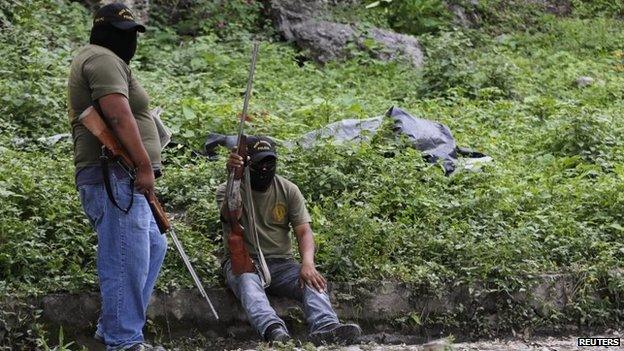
(92, 120)
(241, 261)
(159, 213)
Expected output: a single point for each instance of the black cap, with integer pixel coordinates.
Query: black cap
(259, 148)
(118, 15)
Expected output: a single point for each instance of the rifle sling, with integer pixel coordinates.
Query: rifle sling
(104, 161)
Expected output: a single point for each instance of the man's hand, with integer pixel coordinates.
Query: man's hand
(234, 161)
(144, 182)
(310, 276)
(308, 273)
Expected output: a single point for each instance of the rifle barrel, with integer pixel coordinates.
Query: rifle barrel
(187, 262)
(252, 69)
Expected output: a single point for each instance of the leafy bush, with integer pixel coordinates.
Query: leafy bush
(566, 36)
(503, 16)
(20, 326)
(415, 16)
(589, 135)
(449, 71)
(46, 239)
(35, 63)
(592, 8)
(224, 18)
(447, 66)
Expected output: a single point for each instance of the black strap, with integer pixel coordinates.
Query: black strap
(104, 161)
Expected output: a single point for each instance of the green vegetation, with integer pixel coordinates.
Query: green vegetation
(225, 18)
(552, 202)
(414, 16)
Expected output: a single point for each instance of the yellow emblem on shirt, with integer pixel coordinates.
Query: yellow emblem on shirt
(279, 212)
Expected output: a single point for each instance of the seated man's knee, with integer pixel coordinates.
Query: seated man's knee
(249, 280)
(307, 289)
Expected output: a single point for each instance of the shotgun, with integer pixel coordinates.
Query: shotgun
(239, 255)
(241, 261)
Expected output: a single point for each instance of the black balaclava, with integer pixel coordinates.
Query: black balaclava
(122, 42)
(262, 173)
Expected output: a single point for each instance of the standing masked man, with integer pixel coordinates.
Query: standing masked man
(130, 248)
(279, 205)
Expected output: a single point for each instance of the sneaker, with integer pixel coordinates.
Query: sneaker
(145, 347)
(336, 333)
(276, 333)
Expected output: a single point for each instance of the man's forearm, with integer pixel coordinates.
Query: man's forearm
(119, 117)
(306, 248)
(128, 134)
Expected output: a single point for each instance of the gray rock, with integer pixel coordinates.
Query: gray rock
(49, 141)
(552, 293)
(19, 142)
(289, 13)
(502, 39)
(584, 81)
(325, 41)
(556, 7)
(437, 345)
(473, 164)
(140, 8)
(302, 22)
(346, 130)
(465, 15)
(396, 45)
(54, 139)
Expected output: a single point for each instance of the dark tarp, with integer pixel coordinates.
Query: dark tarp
(434, 139)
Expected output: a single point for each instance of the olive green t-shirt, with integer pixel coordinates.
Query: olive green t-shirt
(279, 208)
(95, 72)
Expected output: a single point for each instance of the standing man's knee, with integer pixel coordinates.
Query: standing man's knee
(161, 244)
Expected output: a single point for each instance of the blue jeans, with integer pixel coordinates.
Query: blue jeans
(284, 283)
(130, 252)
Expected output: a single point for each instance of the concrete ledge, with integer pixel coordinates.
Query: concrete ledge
(379, 308)
(372, 303)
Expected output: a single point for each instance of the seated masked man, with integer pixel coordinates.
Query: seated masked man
(278, 205)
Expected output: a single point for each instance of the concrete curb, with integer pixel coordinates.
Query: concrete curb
(377, 307)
